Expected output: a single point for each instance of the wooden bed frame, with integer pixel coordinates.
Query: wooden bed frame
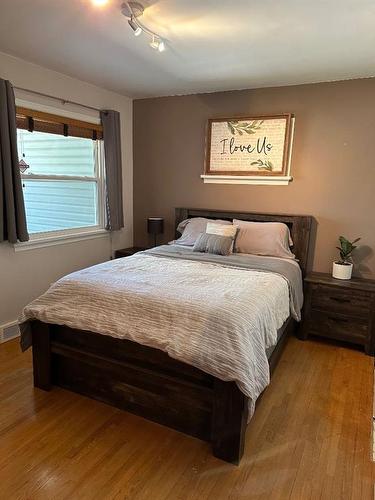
(147, 381)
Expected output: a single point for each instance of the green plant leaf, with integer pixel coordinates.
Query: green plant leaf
(231, 129)
(346, 248)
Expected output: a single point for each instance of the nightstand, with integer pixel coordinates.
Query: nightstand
(340, 309)
(127, 252)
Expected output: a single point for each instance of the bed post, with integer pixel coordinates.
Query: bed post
(229, 421)
(41, 355)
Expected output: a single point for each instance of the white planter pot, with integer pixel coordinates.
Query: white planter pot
(342, 271)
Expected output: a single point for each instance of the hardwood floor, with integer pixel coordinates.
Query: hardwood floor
(309, 439)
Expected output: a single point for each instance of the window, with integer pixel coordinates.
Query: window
(62, 182)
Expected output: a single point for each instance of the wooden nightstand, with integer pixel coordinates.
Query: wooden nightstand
(339, 309)
(127, 252)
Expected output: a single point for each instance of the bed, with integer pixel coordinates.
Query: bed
(177, 385)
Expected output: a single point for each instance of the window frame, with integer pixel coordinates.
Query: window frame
(50, 238)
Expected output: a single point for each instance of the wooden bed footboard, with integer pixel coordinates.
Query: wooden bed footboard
(147, 382)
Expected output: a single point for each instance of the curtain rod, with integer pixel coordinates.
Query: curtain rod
(60, 99)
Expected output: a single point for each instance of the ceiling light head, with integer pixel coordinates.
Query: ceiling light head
(161, 47)
(134, 26)
(155, 43)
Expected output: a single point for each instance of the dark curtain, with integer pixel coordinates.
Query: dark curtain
(13, 226)
(113, 169)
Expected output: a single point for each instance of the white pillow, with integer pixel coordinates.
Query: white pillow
(221, 229)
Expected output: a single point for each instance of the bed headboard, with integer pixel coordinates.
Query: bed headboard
(300, 227)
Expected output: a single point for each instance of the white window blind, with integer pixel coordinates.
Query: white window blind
(63, 184)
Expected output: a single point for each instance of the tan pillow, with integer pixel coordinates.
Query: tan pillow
(263, 238)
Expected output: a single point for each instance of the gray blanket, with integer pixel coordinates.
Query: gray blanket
(288, 268)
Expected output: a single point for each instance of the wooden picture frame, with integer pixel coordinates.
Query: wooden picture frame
(249, 146)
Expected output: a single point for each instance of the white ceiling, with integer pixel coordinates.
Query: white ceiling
(212, 44)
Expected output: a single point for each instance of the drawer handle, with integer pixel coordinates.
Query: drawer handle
(337, 320)
(339, 299)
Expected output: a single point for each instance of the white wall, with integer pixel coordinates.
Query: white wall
(24, 275)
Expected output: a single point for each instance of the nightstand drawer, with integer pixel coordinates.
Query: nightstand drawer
(338, 327)
(349, 302)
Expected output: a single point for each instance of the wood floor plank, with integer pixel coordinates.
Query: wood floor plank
(309, 439)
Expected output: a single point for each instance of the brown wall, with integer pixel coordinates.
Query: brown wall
(332, 163)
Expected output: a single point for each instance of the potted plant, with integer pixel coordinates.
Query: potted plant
(342, 269)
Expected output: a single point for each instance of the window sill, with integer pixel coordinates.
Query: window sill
(44, 240)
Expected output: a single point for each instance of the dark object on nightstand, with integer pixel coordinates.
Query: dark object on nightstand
(340, 309)
(127, 252)
(155, 226)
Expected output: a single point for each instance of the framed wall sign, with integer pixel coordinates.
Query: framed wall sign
(254, 148)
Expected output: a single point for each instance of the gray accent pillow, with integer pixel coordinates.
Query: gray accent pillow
(213, 243)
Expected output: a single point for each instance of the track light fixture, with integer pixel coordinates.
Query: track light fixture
(132, 11)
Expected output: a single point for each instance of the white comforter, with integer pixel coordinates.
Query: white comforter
(216, 318)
